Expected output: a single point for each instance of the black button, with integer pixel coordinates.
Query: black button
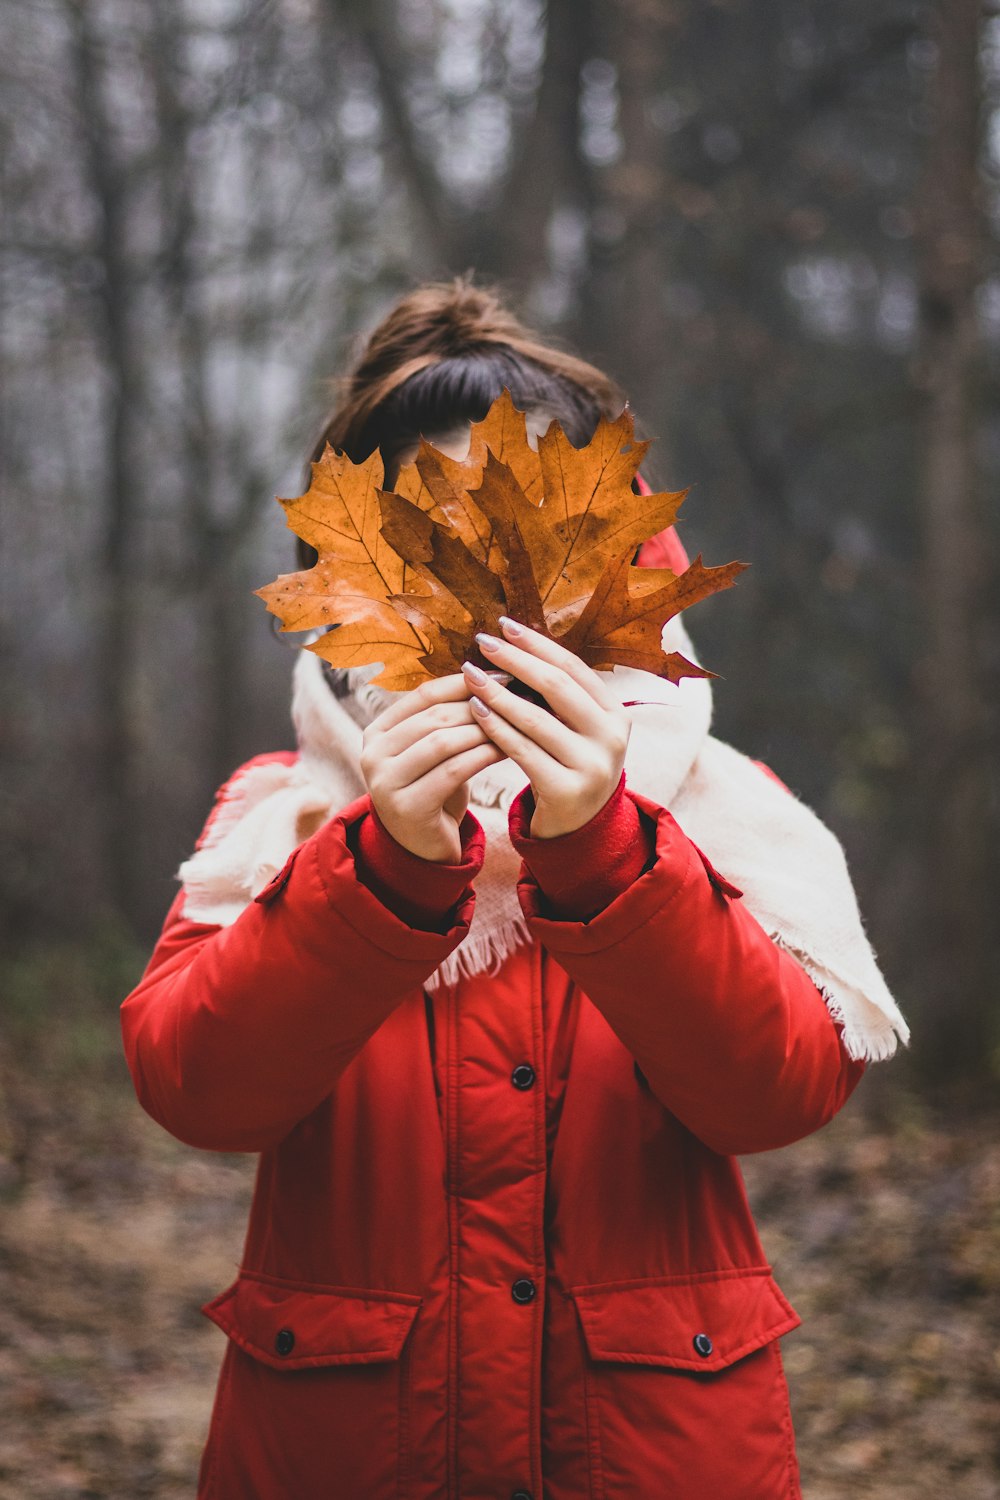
(702, 1345)
(284, 1341)
(523, 1289)
(523, 1077)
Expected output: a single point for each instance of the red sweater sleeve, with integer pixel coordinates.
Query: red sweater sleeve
(580, 873)
(419, 891)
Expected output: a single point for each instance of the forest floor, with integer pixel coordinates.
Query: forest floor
(884, 1231)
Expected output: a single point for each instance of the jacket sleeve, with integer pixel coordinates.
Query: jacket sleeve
(234, 1034)
(730, 1032)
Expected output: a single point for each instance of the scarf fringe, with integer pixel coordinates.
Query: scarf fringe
(234, 799)
(872, 1039)
(481, 953)
(234, 829)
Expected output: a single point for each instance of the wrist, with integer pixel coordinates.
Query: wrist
(435, 848)
(432, 852)
(547, 823)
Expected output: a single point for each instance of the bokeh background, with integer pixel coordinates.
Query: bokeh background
(776, 224)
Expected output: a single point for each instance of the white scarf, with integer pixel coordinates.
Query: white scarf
(790, 867)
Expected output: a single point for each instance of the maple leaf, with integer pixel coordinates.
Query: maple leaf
(619, 625)
(502, 432)
(597, 513)
(357, 573)
(408, 576)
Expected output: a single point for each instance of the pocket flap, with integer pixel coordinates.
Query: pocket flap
(296, 1325)
(701, 1322)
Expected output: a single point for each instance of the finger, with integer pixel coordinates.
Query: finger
(408, 731)
(536, 644)
(564, 695)
(534, 722)
(537, 764)
(437, 786)
(430, 751)
(434, 690)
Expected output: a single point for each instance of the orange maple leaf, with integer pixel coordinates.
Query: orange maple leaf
(408, 576)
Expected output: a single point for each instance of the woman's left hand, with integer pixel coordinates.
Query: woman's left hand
(574, 755)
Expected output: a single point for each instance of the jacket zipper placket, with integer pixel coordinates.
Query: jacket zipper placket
(451, 1088)
(541, 1180)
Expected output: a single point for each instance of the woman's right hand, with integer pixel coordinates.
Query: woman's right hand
(417, 758)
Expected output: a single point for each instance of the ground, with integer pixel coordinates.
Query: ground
(884, 1231)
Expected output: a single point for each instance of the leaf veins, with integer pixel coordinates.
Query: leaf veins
(407, 576)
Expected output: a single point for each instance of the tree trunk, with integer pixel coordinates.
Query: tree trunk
(114, 772)
(960, 908)
(547, 170)
(624, 305)
(208, 542)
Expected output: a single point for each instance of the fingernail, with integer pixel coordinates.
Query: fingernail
(473, 673)
(488, 642)
(479, 707)
(511, 626)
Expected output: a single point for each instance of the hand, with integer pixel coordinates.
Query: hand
(417, 757)
(574, 755)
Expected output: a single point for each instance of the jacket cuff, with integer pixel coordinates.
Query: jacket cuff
(675, 865)
(578, 874)
(420, 892)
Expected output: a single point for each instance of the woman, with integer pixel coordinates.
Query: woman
(498, 1064)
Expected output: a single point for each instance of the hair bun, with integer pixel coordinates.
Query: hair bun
(457, 314)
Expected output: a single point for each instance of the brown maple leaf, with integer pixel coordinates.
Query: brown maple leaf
(351, 584)
(408, 576)
(621, 625)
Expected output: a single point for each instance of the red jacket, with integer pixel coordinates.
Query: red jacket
(499, 1244)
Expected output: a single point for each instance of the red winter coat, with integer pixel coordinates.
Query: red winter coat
(499, 1245)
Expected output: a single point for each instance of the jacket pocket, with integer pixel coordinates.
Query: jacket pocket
(313, 1396)
(684, 1387)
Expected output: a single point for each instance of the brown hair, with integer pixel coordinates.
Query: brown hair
(436, 324)
(439, 358)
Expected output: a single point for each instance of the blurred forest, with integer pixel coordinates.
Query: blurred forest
(776, 224)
